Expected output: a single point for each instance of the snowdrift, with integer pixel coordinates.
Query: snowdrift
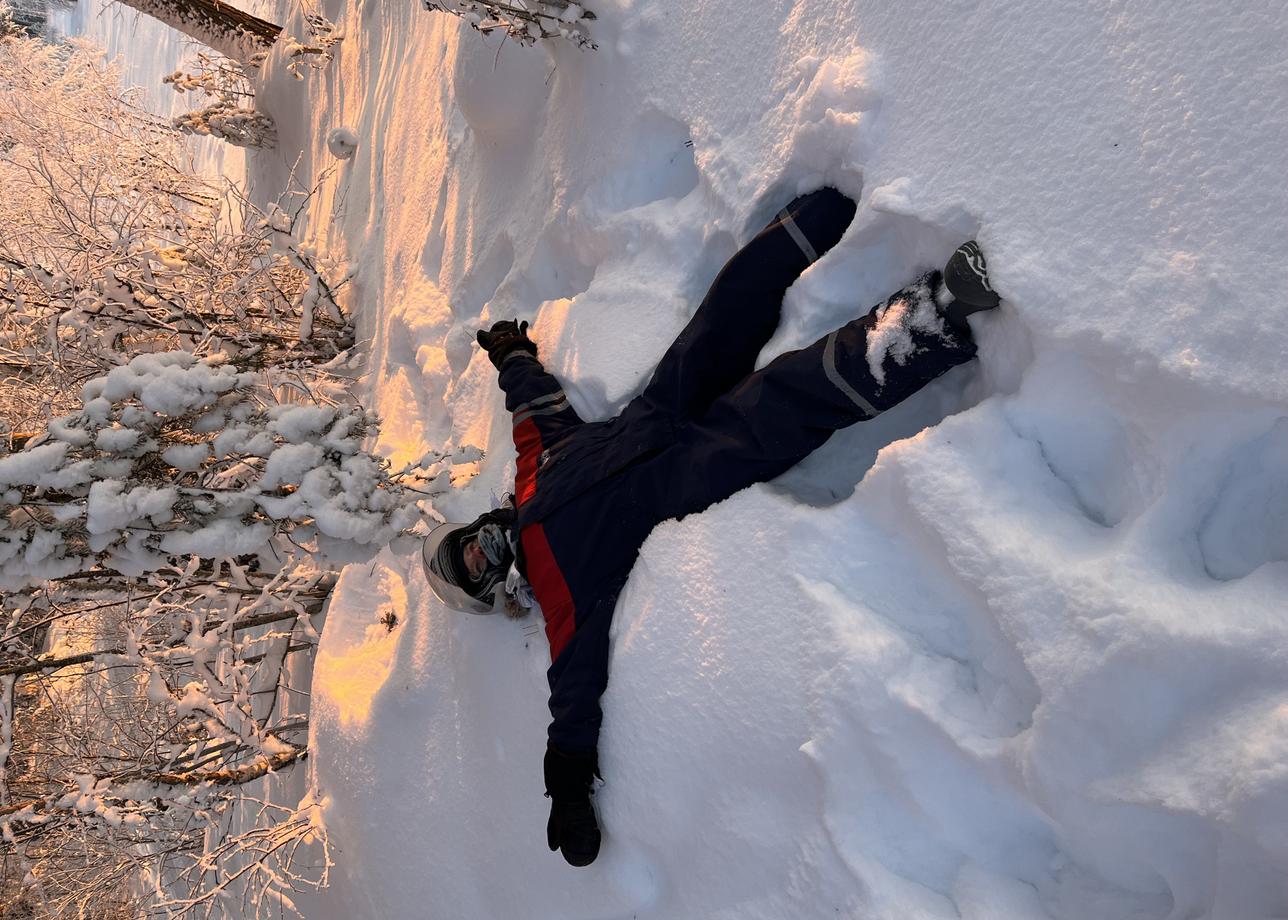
(1014, 650)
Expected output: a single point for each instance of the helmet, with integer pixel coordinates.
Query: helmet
(445, 569)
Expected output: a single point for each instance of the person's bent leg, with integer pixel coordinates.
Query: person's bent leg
(778, 415)
(720, 344)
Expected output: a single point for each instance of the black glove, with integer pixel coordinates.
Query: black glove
(572, 828)
(506, 337)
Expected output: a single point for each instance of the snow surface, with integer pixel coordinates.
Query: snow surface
(1014, 650)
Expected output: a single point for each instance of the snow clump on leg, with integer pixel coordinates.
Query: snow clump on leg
(911, 310)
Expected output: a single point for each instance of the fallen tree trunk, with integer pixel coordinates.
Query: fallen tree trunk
(216, 25)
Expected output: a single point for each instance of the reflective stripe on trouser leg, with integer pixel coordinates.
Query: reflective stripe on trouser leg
(798, 236)
(834, 375)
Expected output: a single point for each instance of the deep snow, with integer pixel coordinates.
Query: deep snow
(1014, 650)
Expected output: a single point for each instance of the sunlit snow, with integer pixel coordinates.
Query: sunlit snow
(1014, 650)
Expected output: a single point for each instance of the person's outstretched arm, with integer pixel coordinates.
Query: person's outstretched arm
(535, 398)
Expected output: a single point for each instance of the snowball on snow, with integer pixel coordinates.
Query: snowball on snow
(342, 438)
(259, 446)
(42, 544)
(342, 143)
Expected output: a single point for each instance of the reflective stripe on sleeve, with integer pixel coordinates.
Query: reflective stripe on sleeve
(523, 416)
(540, 401)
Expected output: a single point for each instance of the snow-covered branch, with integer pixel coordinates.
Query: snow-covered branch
(525, 21)
(110, 250)
(142, 754)
(173, 455)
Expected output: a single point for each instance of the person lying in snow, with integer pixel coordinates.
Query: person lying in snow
(587, 494)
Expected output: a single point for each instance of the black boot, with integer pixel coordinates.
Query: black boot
(966, 276)
(572, 828)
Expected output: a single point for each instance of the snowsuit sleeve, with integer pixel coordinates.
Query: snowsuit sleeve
(577, 680)
(577, 630)
(541, 414)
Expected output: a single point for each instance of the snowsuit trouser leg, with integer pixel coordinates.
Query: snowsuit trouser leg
(778, 415)
(720, 344)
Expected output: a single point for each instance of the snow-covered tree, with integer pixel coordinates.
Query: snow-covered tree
(110, 248)
(160, 338)
(138, 767)
(172, 455)
(164, 550)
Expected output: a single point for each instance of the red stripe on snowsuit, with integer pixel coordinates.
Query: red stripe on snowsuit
(527, 439)
(552, 591)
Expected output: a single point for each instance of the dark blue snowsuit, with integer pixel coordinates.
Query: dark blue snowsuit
(706, 426)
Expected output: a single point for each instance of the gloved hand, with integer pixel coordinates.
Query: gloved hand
(504, 338)
(572, 828)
